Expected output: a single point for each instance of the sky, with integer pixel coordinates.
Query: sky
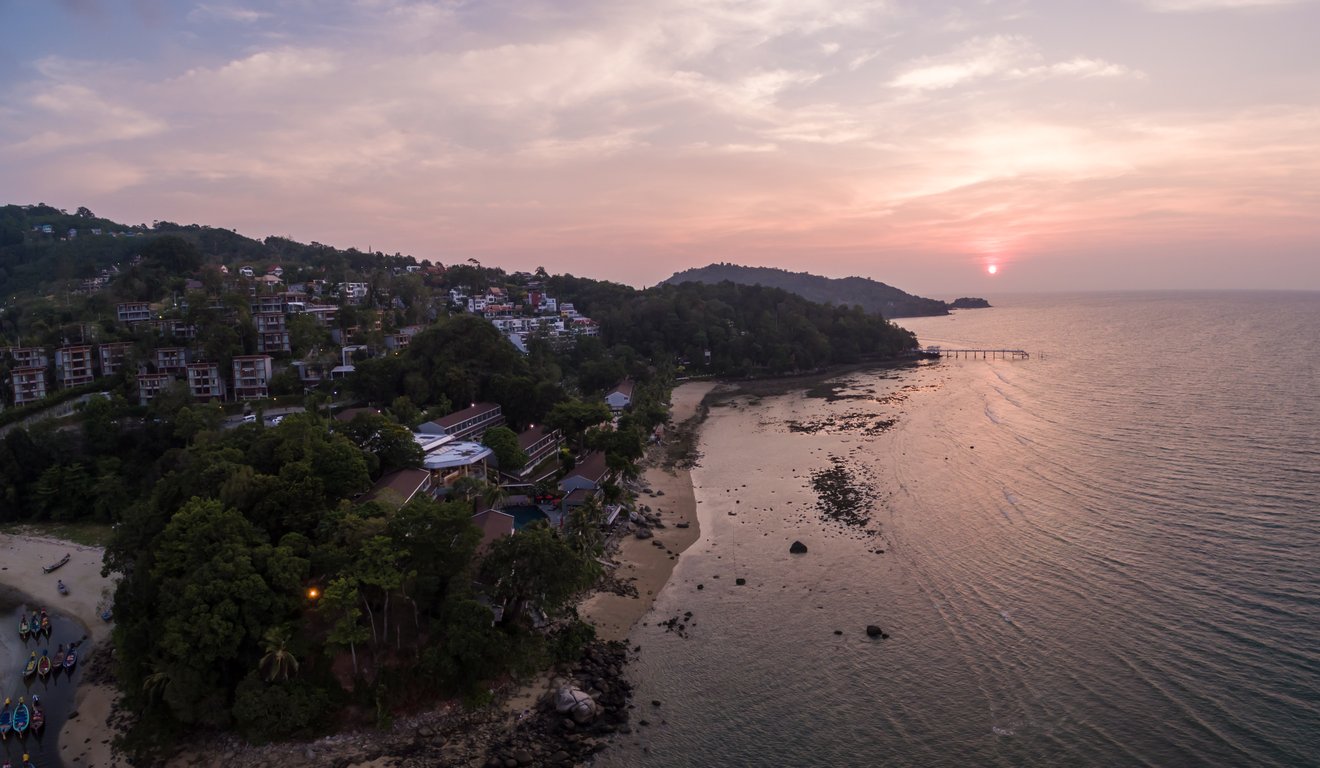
(1127, 144)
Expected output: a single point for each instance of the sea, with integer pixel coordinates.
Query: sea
(1105, 554)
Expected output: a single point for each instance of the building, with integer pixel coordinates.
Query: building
(450, 460)
(267, 303)
(73, 366)
(150, 384)
(399, 488)
(311, 372)
(133, 312)
(539, 443)
(171, 359)
(494, 526)
(29, 357)
(621, 396)
(588, 475)
(29, 384)
(272, 332)
(113, 356)
(205, 381)
(468, 423)
(401, 338)
(252, 377)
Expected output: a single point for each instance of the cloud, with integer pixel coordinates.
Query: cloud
(234, 13)
(1008, 56)
(1183, 6)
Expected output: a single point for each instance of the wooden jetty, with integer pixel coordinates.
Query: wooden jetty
(983, 354)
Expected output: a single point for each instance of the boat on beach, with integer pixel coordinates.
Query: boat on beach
(24, 629)
(21, 717)
(6, 723)
(45, 623)
(62, 589)
(31, 668)
(43, 665)
(55, 566)
(70, 659)
(38, 718)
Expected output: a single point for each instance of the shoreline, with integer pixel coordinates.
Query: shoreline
(641, 562)
(84, 739)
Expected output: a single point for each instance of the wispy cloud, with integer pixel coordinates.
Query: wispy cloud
(234, 13)
(1008, 56)
(1182, 6)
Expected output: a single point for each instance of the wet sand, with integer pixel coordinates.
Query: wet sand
(86, 736)
(647, 566)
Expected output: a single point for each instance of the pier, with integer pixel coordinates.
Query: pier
(983, 354)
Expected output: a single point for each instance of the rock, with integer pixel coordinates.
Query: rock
(701, 586)
(798, 548)
(425, 732)
(838, 631)
(682, 525)
(643, 533)
(740, 582)
(655, 702)
(873, 631)
(523, 756)
(559, 757)
(659, 493)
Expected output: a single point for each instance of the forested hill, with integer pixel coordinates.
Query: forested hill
(739, 329)
(870, 295)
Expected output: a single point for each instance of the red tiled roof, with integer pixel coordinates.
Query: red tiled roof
(398, 487)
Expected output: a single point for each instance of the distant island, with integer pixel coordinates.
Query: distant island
(871, 295)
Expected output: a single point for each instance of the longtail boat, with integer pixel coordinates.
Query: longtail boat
(56, 565)
(70, 659)
(23, 628)
(38, 718)
(6, 720)
(31, 667)
(45, 623)
(21, 717)
(43, 666)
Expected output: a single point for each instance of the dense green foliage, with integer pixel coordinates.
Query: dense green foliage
(746, 329)
(872, 296)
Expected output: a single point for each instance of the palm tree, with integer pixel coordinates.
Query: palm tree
(154, 684)
(278, 662)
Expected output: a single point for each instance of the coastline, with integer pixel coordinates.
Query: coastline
(641, 562)
(85, 738)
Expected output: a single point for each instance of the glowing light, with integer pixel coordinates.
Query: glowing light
(992, 269)
(313, 593)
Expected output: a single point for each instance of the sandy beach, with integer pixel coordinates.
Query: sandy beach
(647, 566)
(84, 738)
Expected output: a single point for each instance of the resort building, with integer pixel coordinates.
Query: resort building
(29, 357)
(272, 332)
(205, 382)
(539, 443)
(620, 397)
(113, 356)
(494, 525)
(450, 460)
(468, 423)
(150, 384)
(29, 384)
(171, 359)
(251, 377)
(73, 366)
(399, 488)
(133, 312)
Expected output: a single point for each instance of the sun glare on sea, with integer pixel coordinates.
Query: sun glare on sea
(992, 269)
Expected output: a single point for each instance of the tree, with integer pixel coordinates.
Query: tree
(575, 417)
(339, 603)
(279, 662)
(535, 568)
(504, 443)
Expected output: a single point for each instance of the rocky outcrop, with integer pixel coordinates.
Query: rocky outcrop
(798, 548)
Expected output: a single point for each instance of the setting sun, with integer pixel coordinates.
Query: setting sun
(992, 269)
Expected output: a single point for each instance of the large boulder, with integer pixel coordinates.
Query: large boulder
(576, 703)
(798, 548)
(873, 631)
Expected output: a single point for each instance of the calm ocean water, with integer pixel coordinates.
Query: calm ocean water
(1105, 555)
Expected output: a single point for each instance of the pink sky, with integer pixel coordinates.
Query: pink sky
(1076, 145)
